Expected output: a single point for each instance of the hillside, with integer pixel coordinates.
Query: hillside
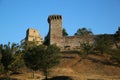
(94, 67)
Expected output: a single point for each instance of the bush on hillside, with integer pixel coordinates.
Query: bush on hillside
(116, 57)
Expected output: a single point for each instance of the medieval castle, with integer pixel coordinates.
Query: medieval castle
(55, 35)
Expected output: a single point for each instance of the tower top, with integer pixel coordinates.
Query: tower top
(54, 17)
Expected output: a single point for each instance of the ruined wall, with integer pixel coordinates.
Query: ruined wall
(73, 42)
(33, 35)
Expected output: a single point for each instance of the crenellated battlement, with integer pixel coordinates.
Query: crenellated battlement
(54, 17)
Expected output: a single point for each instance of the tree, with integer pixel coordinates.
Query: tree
(17, 63)
(46, 40)
(9, 59)
(83, 32)
(8, 52)
(42, 58)
(0, 53)
(86, 48)
(64, 33)
(116, 56)
(103, 43)
(50, 58)
(1, 65)
(32, 57)
(117, 38)
(25, 45)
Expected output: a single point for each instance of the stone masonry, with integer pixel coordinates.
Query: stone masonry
(33, 35)
(55, 35)
(55, 29)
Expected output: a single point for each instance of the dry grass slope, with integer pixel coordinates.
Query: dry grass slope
(94, 67)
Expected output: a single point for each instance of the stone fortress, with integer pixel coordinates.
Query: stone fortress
(55, 36)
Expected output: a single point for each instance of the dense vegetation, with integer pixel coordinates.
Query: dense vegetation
(103, 44)
(34, 57)
(83, 31)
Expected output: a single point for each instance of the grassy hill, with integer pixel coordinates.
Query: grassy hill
(93, 67)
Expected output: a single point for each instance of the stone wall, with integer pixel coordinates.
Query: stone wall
(74, 42)
(33, 35)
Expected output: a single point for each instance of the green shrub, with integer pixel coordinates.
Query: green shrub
(116, 56)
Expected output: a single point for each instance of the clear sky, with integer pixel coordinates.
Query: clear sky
(16, 16)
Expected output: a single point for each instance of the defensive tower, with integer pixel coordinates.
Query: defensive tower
(55, 29)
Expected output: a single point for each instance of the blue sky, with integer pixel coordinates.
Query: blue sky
(16, 16)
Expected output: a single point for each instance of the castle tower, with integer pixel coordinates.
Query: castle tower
(33, 35)
(55, 29)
